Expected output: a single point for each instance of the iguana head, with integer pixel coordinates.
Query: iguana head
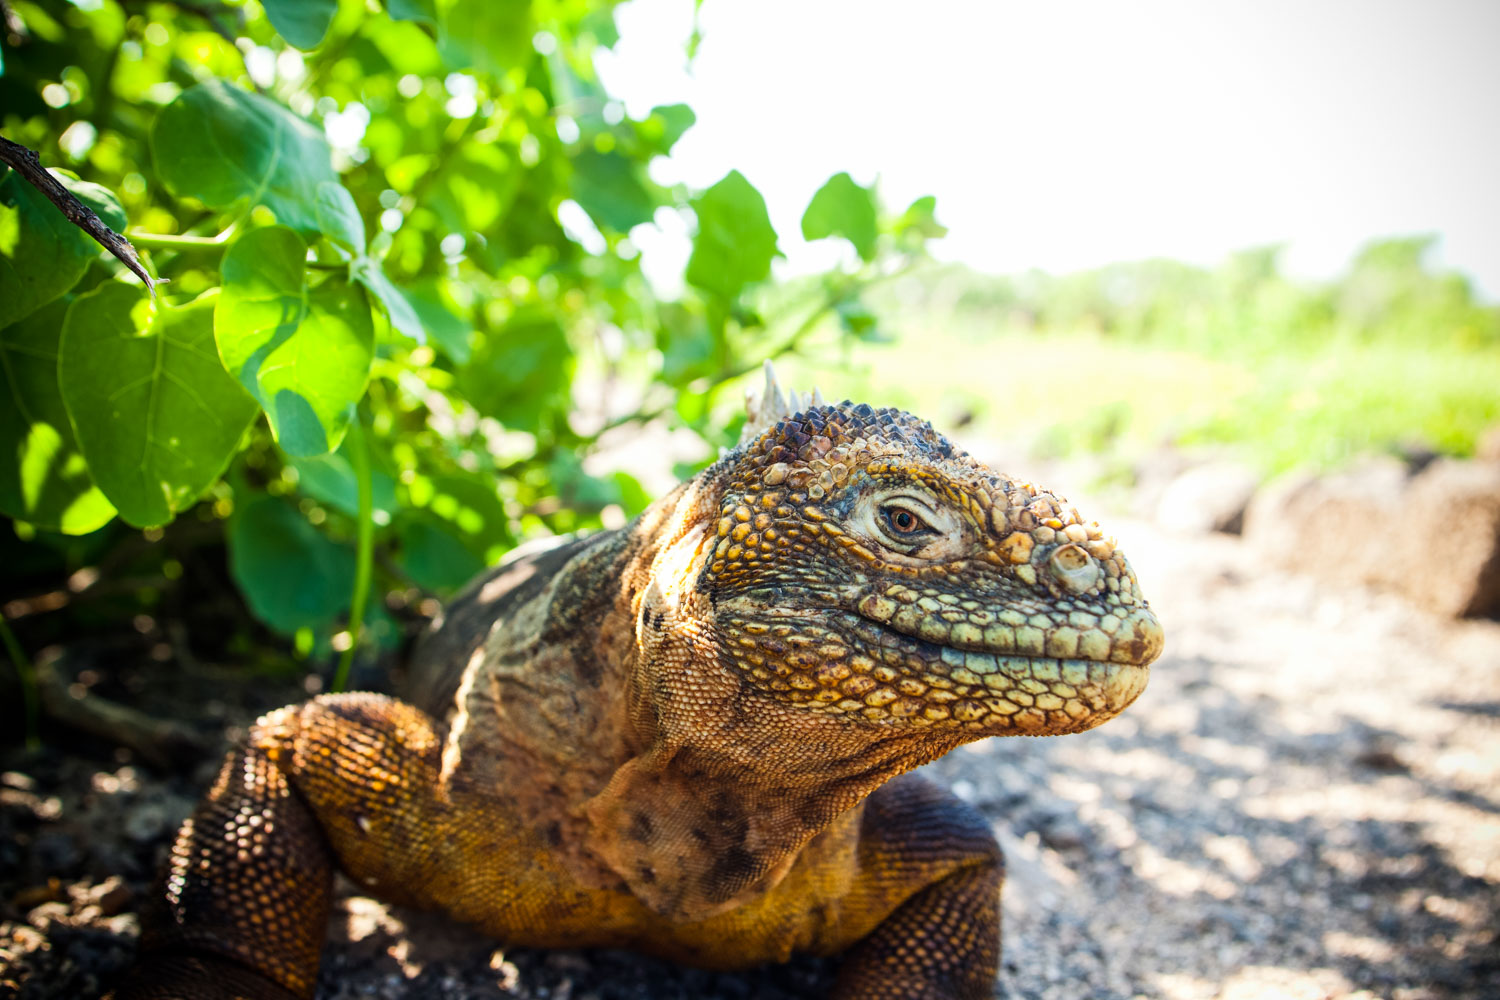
(865, 568)
(843, 597)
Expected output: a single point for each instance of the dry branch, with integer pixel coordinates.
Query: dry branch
(26, 163)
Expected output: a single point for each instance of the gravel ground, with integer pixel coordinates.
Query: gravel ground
(1305, 804)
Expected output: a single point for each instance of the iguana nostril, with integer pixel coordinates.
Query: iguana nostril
(1074, 568)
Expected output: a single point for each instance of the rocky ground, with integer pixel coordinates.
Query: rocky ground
(1305, 803)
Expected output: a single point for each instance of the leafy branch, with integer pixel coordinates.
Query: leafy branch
(374, 393)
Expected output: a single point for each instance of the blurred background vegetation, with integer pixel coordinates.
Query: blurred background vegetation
(1392, 356)
(404, 325)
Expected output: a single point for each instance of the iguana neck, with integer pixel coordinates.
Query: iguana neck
(722, 786)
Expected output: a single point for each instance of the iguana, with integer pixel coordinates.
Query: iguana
(686, 736)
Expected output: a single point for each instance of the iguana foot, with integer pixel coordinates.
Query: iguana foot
(942, 944)
(249, 886)
(943, 941)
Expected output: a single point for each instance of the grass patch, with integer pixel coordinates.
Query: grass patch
(1392, 357)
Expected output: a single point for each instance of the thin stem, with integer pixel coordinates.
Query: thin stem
(359, 457)
(169, 241)
(27, 674)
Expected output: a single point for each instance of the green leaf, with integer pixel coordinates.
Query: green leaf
(686, 344)
(412, 10)
(522, 373)
(303, 353)
(433, 556)
(222, 145)
(338, 218)
(399, 47)
(859, 322)
(43, 476)
(600, 22)
(735, 241)
(476, 186)
(918, 223)
(672, 120)
(487, 36)
(633, 496)
(156, 415)
(470, 504)
(609, 188)
(42, 254)
(301, 22)
(843, 208)
(398, 309)
(330, 479)
(577, 489)
(291, 575)
(448, 332)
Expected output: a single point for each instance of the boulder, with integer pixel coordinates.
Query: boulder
(1488, 446)
(1209, 497)
(1432, 535)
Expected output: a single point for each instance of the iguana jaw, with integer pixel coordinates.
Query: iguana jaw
(837, 662)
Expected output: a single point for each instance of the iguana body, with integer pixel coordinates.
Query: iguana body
(679, 737)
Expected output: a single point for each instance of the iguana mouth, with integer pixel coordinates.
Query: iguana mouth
(998, 670)
(840, 661)
(1135, 642)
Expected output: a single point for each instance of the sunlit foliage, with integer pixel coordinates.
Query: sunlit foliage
(400, 299)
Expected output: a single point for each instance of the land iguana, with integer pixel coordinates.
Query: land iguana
(686, 736)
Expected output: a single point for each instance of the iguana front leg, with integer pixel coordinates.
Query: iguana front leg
(247, 893)
(943, 941)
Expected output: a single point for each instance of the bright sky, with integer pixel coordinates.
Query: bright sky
(1068, 135)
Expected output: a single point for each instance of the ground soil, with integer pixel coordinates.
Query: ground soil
(1305, 803)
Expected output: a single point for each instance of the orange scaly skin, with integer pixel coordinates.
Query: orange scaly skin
(680, 737)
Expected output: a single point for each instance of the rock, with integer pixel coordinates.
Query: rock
(1463, 553)
(111, 895)
(1064, 833)
(1153, 473)
(1433, 536)
(1488, 447)
(1210, 497)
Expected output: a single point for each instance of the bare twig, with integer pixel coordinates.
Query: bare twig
(26, 163)
(165, 743)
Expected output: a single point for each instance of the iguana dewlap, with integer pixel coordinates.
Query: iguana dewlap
(680, 737)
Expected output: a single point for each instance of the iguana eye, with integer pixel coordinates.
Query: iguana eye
(902, 522)
(907, 522)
